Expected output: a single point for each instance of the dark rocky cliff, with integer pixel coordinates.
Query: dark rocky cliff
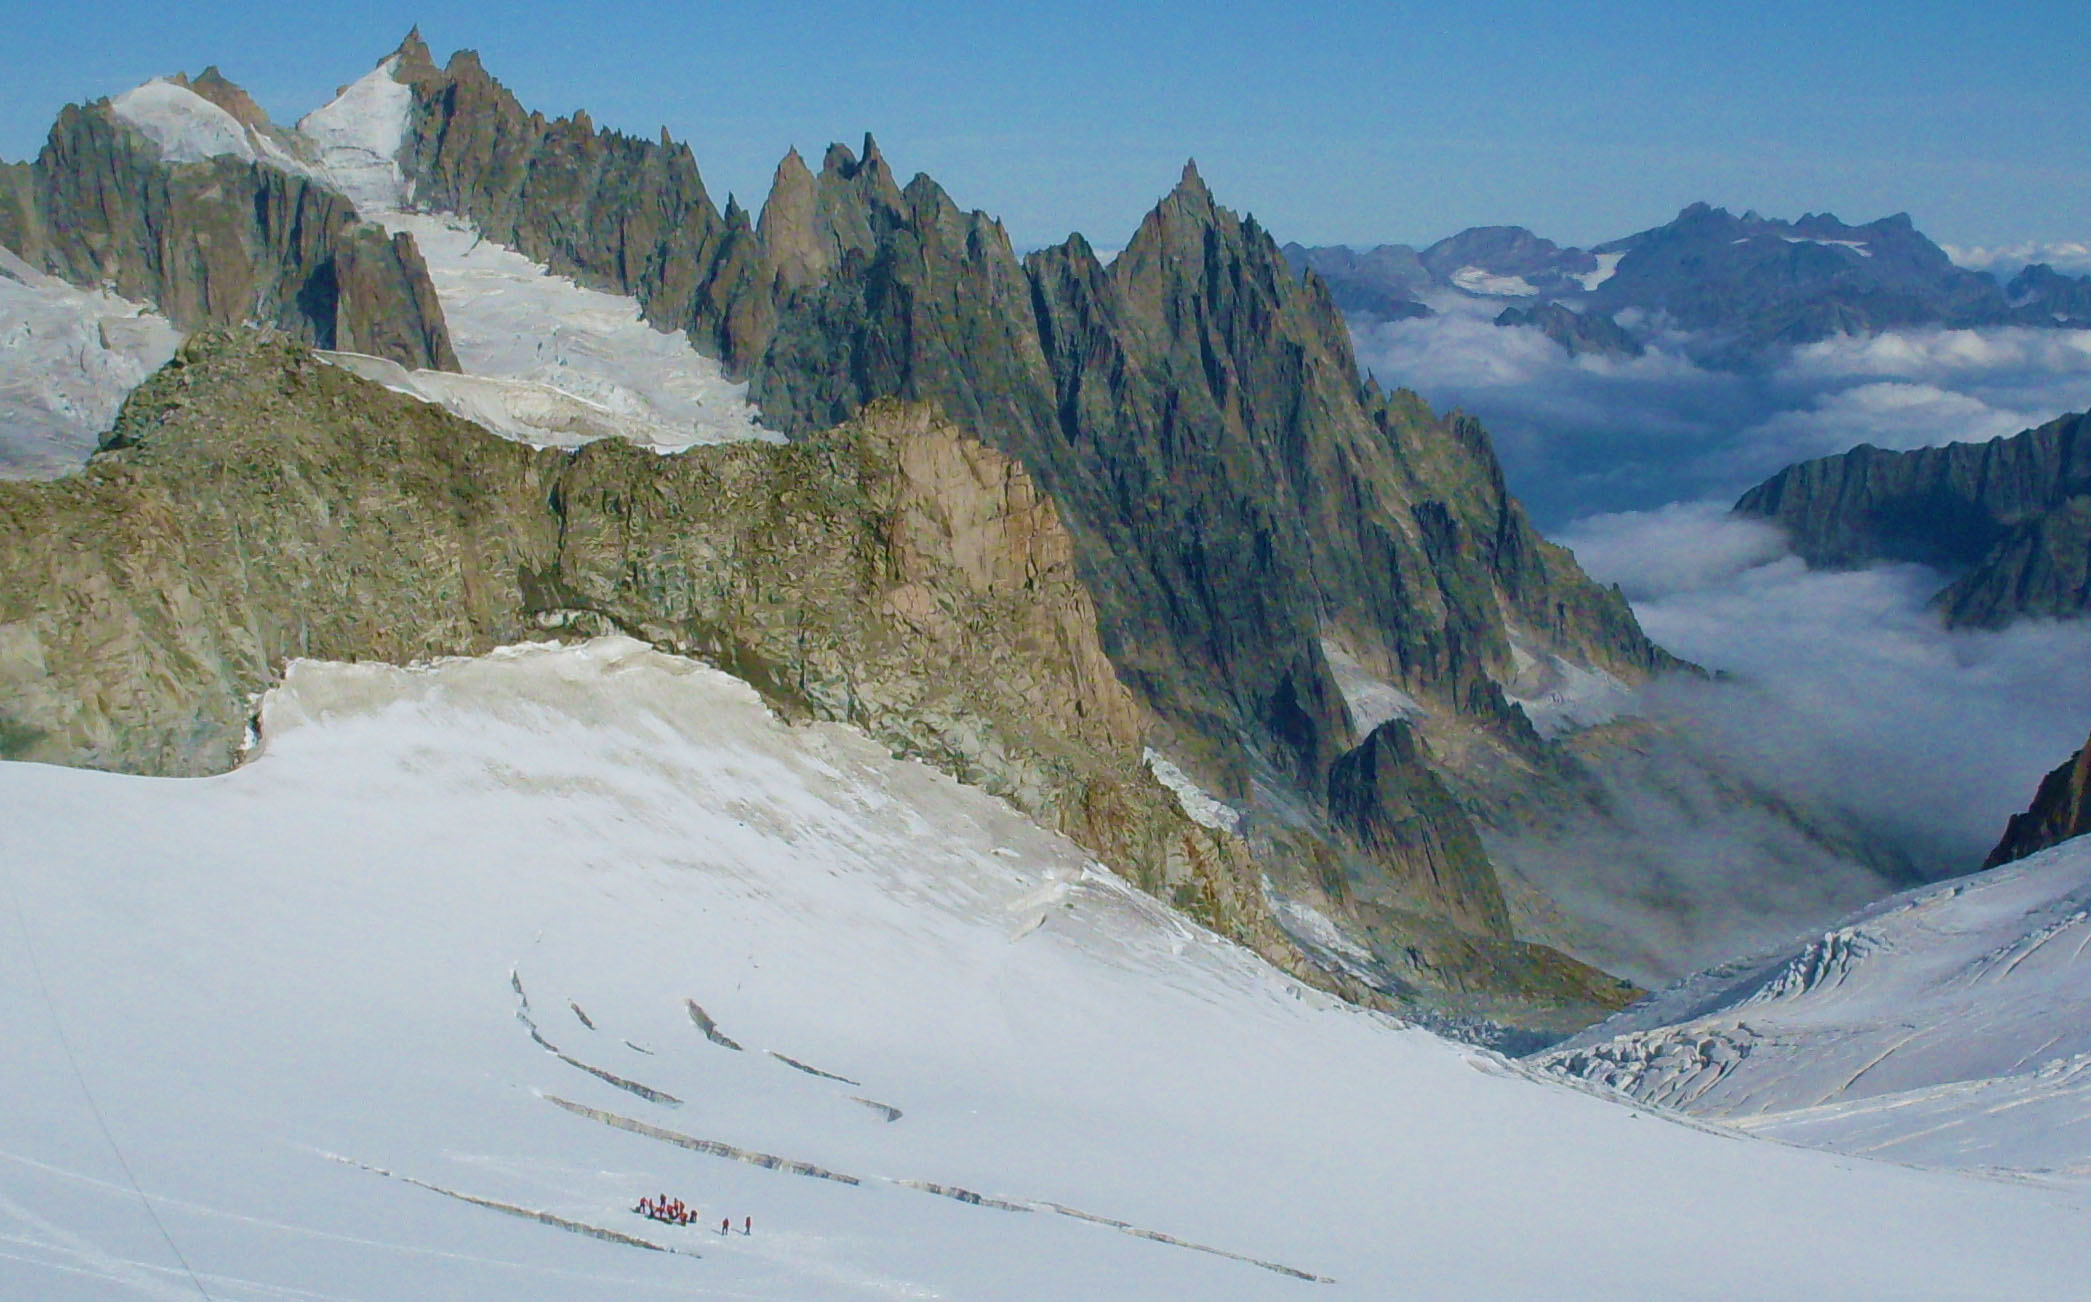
(2011, 517)
(218, 242)
(2060, 810)
(253, 504)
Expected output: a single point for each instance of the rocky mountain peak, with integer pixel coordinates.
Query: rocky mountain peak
(789, 226)
(1233, 494)
(215, 87)
(415, 59)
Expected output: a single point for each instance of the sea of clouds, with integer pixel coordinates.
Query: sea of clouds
(1871, 745)
(1581, 435)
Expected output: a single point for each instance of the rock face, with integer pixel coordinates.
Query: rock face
(2013, 515)
(253, 504)
(218, 242)
(1762, 281)
(2060, 810)
(1578, 332)
(1508, 251)
(2040, 290)
(1385, 795)
(1739, 284)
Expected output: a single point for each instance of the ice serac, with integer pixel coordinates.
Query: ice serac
(2012, 514)
(894, 574)
(216, 237)
(1943, 1026)
(2061, 809)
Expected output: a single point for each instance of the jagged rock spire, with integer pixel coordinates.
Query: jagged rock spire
(413, 55)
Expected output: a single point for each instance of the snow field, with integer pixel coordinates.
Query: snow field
(546, 361)
(277, 979)
(67, 358)
(1948, 1026)
(550, 363)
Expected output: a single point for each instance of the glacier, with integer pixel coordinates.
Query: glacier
(1947, 1026)
(469, 956)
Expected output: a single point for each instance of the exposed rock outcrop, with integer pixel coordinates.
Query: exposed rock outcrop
(1761, 281)
(1382, 282)
(2061, 809)
(218, 242)
(2040, 291)
(1235, 498)
(2012, 515)
(1508, 252)
(253, 504)
(1578, 332)
(1387, 798)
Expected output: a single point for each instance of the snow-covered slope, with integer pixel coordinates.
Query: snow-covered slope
(546, 361)
(67, 358)
(187, 128)
(1949, 1026)
(356, 136)
(469, 958)
(554, 364)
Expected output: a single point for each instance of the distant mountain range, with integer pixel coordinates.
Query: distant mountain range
(1741, 283)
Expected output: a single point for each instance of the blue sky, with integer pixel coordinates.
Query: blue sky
(1332, 122)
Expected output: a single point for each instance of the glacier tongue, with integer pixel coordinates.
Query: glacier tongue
(551, 363)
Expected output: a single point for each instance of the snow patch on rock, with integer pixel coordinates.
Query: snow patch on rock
(569, 364)
(1197, 806)
(1371, 700)
(1480, 280)
(1560, 696)
(1607, 267)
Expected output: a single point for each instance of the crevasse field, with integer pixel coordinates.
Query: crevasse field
(300, 998)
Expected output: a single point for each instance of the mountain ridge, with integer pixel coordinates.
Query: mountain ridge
(2008, 519)
(1746, 283)
(1237, 500)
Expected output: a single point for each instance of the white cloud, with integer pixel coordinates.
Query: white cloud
(1851, 744)
(1680, 547)
(1598, 434)
(2071, 257)
(1886, 413)
(1945, 355)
